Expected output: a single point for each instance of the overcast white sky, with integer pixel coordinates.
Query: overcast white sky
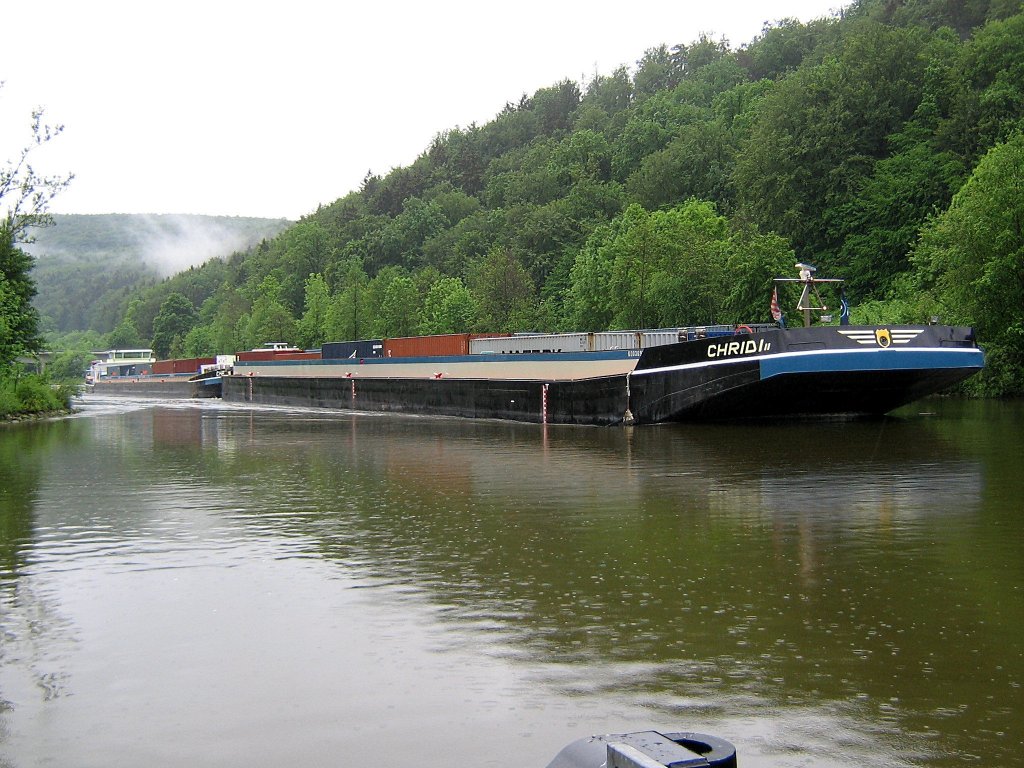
(270, 109)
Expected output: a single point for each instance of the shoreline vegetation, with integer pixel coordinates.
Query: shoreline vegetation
(34, 396)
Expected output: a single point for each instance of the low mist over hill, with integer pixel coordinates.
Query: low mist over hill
(87, 265)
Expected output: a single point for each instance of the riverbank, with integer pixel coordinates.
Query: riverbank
(16, 418)
(34, 396)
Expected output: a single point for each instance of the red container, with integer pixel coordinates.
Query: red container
(266, 354)
(182, 365)
(427, 346)
(252, 355)
(298, 356)
(193, 364)
(489, 336)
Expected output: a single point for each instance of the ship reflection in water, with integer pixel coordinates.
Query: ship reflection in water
(439, 592)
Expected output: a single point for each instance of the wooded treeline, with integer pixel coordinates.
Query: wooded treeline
(883, 146)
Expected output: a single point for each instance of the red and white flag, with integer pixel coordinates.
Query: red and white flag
(776, 310)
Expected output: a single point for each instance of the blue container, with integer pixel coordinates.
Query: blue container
(340, 350)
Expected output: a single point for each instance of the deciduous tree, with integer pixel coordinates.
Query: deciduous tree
(25, 196)
(176, 318)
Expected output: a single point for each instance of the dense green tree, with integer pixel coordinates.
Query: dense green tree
(125, 336)
(176, 318)
(269, 320)
(611, 94)
(19, 320)
(77, 341)
(589, 303)
(200, 341)
(307, 250)
(449, 307)
(555, 106)
(971, 257)
(819, 132)
(503, 291)
(649, 127)
(225, 309)
(698, 163)
(656, 71)
(523, 176)
(671, 267)
(752, 263)
(961, 15)
(453, 204)
(450, 250)
(348, 315)
(399, 314)
(783, 46)
(69, 366)
(991, 106)
(313, 323)
(459, 157)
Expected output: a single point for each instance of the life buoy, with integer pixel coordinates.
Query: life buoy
(744, 329)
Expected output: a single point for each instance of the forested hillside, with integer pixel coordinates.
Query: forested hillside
(87, 266)
(883, 145)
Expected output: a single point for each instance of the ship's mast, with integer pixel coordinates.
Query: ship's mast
(810, 299)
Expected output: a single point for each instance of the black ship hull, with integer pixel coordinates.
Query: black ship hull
(822, 371)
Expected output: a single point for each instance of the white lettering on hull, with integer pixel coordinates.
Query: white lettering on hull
(733, 348)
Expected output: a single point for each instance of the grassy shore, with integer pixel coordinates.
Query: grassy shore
(32, 395)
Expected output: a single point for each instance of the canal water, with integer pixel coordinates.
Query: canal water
(201, 584)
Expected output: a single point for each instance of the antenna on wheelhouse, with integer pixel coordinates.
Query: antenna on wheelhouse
(810, 300)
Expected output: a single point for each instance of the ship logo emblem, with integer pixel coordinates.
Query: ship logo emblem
(882, 337)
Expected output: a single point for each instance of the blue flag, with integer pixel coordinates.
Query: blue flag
(844, 309)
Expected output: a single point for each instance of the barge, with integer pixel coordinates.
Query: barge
(708, 373)
(136, 372)
(716, 374)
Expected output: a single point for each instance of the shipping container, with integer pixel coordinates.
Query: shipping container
(607, 340)
(473, 336)
(341, 350)
(195, 364)
(183, 365)
(526, 343)
(661, 337)
(314, 355)
(267, 354)
(427, 346)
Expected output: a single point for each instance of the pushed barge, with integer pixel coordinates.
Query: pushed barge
(741, 373)
(642, 377)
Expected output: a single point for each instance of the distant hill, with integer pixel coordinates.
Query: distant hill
(87, 265)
